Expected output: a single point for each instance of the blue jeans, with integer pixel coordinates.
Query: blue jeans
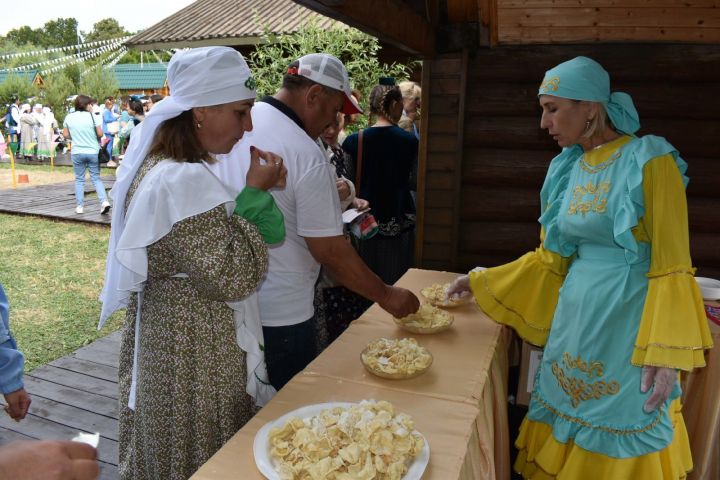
(109, 145)
(82, 162)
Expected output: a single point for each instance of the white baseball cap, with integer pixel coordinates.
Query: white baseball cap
(327, 70)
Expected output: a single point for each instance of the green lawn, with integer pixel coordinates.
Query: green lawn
(53, 272)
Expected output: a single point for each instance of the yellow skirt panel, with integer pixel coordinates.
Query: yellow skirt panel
(541, 457)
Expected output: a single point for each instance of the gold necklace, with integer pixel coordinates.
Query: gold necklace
(600, 166)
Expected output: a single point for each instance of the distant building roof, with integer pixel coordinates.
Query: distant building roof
(140, 76)
(227, 22)
(29, 75)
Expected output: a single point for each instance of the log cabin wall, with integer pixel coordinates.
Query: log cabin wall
(583, 21)
(485, 155)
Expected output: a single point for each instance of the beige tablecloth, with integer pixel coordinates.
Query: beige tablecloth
(459, 404)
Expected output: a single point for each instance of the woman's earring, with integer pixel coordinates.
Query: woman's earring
(587, 125)
(199, 125)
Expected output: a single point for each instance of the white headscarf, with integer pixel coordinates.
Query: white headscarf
(198, 77)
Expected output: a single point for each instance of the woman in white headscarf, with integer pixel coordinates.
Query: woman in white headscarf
(184, 256)
(45, 133)
(28, 122)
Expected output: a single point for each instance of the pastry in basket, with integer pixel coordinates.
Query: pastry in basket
(398, 358)
(436, 294)
(428, 319)
(367, 440)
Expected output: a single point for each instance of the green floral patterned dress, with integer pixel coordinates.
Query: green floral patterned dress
(191, 379)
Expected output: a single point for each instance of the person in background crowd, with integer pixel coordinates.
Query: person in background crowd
(137, 110)
(410, 119)
(314, 89)
(46, 147)
(27, 126)
(48, 460)
(12, 123)
(335, 305)
(108, 117)
(82, 127)
(17, 400)
(388, 155)
(186, 254)
(152, 100)
(609, 292)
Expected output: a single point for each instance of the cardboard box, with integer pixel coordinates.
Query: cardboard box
(529, 362)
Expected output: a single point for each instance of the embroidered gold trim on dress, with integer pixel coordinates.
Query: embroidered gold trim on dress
(615, 431)
(690, 271)
(672, 347)
(592, 369)
(579, 391)
(595, 204)
(600, 166)
(490, 292)
(684, 369)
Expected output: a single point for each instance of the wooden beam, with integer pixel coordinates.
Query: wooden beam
(391, 21)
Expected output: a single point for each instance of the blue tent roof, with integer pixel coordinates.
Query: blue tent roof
(140, 76)
(29, 75)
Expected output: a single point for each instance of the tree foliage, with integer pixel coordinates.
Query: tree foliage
(25, 35)
(99, 84)
(55, 33)
(105, 29)
(357, 50)
(60, 32)
(58, 87)
(16, 85)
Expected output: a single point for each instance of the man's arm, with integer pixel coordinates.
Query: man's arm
(337, 255)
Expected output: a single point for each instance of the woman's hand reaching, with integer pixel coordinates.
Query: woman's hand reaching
(460, 287)
(272, 174)
(662, 380)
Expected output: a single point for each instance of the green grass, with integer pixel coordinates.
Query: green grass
(52, 272)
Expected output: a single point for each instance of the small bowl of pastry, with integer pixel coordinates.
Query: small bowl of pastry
(428, 319)
(396, 359)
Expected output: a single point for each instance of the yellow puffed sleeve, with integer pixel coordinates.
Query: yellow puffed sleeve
(522, 294)
(673, 329)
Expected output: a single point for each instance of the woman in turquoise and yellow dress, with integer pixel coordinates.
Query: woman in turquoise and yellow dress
(609, 292)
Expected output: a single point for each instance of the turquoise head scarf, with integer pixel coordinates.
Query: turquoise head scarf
(584, 79)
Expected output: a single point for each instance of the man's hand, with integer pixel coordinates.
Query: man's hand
(265, 177)
(399, 302)
(48, 460)
(18, 403)
(342, 261)
(361, 204)
(343, 189)
(662, 380)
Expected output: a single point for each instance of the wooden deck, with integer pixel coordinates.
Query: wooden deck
(75, 393)
(56, 201)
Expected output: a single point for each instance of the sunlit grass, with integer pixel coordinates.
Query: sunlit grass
(53, 272)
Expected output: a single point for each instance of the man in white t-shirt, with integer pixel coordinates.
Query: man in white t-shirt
(314, 90)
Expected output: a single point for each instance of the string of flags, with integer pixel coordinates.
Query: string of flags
(81, 55)
(77, 46)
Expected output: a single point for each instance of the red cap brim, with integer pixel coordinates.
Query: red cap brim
(350, 106)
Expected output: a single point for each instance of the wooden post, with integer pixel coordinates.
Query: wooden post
(12, 167)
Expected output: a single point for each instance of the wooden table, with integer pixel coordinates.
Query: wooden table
(459, 404)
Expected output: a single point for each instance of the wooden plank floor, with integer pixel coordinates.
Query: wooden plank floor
(75, 393)
(56, 201)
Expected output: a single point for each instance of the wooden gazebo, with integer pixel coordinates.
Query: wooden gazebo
(483, 154)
